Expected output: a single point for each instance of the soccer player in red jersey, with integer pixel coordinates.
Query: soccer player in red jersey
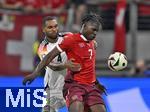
(80, 90)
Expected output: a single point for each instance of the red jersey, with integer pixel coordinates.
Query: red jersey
(77, 47)
(37, 4)
(13, 1)
(54, 3)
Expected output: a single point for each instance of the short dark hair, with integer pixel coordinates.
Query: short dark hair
(92, 18)
(47, 18)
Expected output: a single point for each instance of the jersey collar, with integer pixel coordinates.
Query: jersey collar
(46, 40)
(83, 38)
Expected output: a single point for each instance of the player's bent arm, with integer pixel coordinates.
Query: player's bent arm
(46, 60)
(57, 67)
(69, 64)
(43, 63)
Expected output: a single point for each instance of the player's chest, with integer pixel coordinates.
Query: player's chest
(84, 50)
(50, 46)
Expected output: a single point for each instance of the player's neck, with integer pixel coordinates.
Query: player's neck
(51, 40)
(84, 38)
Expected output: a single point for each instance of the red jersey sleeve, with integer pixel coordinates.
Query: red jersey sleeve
(67, 43)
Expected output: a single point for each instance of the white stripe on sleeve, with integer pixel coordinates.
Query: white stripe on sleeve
(59, 48)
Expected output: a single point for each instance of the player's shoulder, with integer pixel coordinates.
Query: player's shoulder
(63, 34)
(43, 44)
(68, 36)
(77, 37)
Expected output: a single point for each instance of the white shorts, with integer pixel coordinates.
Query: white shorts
(54, 99)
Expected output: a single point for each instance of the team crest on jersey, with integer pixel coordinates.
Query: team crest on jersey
(81, 45)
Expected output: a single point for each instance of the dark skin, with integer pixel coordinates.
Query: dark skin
(50, 29)
(89, 30)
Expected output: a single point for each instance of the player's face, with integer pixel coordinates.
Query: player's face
(90, 30)
(51, 29)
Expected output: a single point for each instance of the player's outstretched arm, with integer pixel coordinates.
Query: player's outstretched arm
(43, 63)
(69, 64)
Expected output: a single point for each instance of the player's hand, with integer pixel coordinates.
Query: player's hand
(75, 67)
(95, 44)
(28, 79)
(101, 87)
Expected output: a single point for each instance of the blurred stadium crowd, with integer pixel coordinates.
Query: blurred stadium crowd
(75, 9)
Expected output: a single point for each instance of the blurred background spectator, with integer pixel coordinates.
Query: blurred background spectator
(80, 8)
(35, 55)
(139, 68)
(12, 4)
(32, 6)
(54, 6)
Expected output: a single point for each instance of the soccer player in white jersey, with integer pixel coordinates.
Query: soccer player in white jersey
(55, 71)
(53, 80)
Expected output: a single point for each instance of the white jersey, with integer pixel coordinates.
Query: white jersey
(54, 79)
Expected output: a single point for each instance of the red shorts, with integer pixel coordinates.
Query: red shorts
(88, 94)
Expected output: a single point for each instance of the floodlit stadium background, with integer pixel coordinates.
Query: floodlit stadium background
(126, 28)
